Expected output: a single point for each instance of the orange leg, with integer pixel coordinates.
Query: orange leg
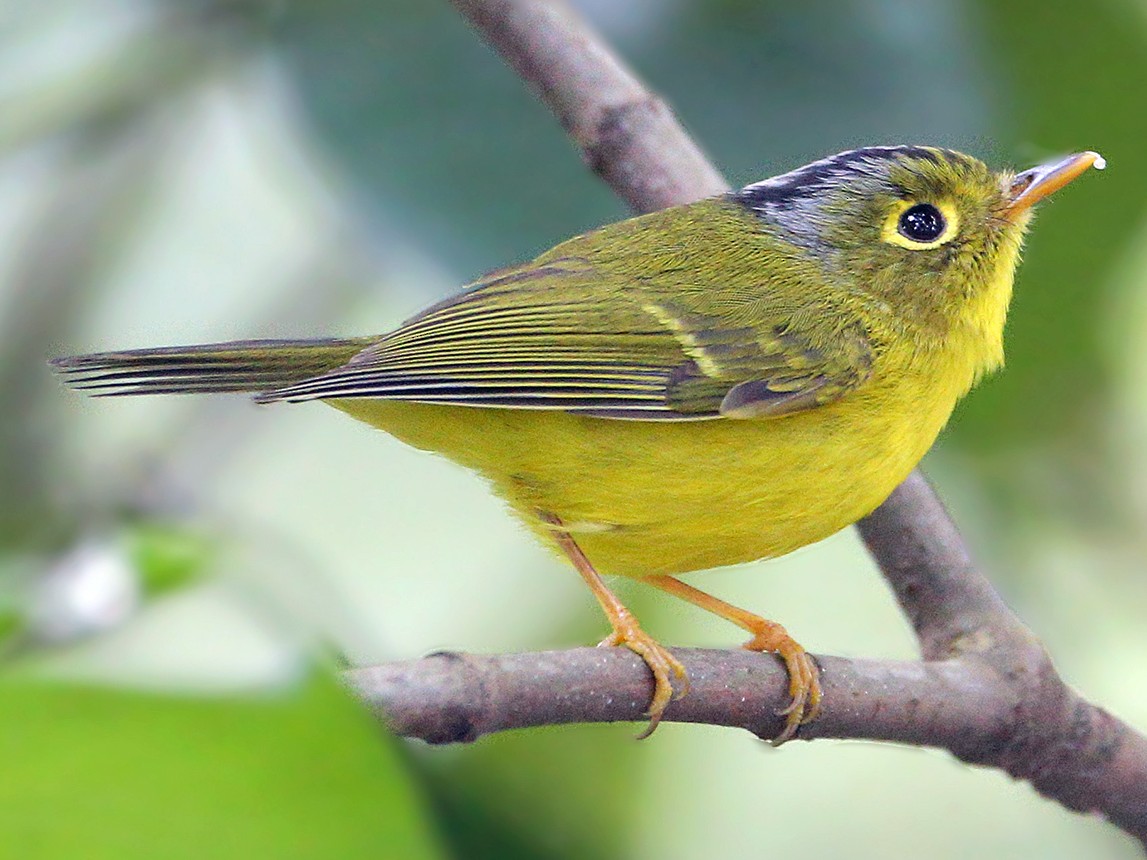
(626, 630)
(804, 682)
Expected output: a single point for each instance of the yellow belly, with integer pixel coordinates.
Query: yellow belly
(646, 498)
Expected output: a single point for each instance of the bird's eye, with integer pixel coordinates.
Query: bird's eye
(922, 223)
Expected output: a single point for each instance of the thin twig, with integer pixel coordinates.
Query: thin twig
(986, 691)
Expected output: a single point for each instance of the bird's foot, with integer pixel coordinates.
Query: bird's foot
(661, 662)
(804, 677)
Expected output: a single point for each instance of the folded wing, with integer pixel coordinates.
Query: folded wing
(553, 337)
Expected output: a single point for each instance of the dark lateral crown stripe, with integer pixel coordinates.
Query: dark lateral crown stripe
(806, 181)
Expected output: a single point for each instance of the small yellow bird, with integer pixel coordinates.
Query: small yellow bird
(705, 385)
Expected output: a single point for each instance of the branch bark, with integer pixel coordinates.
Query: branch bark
(452, 698)
(986, 690)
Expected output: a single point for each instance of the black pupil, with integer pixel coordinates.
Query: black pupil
(922, 223)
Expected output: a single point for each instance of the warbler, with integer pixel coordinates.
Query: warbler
(705, 385)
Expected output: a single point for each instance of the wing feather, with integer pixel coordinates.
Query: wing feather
(550, 337)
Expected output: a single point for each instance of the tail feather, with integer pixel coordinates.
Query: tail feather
(239, 366)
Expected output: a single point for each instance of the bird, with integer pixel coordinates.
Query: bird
(704, 385)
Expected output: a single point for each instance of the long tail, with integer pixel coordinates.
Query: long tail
(242, 365)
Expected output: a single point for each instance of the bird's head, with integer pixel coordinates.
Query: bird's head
(930, 234)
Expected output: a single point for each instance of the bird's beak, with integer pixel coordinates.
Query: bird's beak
(1033, 185)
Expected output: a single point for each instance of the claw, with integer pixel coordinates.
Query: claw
(804, 680)
(661, 663)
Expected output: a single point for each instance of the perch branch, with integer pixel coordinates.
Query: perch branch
(449, 697)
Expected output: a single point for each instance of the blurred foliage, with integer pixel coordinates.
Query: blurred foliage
(1068, 77)
(296, 775)
(169, 557)
(492, 805)
(175, 171)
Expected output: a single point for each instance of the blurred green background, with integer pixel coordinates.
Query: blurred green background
(179, 577)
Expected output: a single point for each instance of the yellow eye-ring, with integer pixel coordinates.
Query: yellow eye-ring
(920, 226)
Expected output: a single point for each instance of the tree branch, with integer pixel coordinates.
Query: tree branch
(451, 698)
(627, 135)
(1069, 749)
(987, 691)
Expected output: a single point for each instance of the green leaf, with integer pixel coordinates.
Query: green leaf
(98, 773)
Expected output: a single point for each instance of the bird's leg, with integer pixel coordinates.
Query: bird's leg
(804, 680)
(626, 630)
